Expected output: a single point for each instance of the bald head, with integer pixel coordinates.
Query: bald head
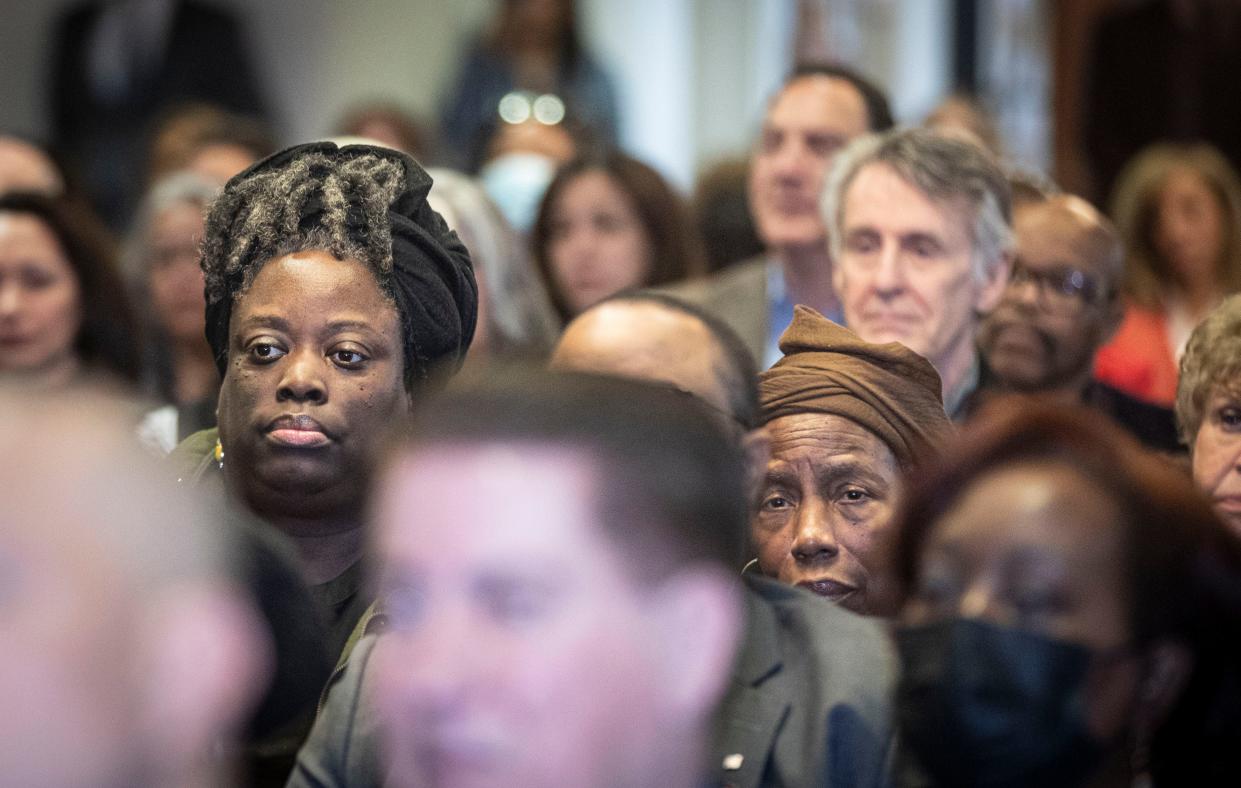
(26, 168)
(653, 337)
(1082, 235)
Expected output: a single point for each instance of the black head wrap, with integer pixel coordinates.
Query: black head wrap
(431, 278)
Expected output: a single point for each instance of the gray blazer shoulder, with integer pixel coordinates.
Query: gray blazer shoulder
(341, 749)
(810, 703)
(738, 296)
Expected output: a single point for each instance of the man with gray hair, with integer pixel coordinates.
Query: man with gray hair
(919, 225)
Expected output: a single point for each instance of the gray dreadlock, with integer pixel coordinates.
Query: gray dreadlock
(312, 202)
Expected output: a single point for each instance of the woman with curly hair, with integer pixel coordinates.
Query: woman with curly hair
(1178, 209)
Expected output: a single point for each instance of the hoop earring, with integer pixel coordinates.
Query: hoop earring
(751, 564)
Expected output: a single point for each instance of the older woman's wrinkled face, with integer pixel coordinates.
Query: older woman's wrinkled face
(314, 379)
(1217, 455)
(824, 509)
(40, 298)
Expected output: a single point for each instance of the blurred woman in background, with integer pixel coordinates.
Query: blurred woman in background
(1178, 209)
(515, 316)
(610, 223)
(64, 313)
(162, 265)
(1072, 614)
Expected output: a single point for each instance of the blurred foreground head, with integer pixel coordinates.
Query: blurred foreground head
(560, 556)
(128, 659)
(1073, 613)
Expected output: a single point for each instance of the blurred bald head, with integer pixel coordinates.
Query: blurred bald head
(26, 168)
(649, 336)
(128, 658)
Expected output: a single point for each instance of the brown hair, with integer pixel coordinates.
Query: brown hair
(1183, 567)
(1135, 209)
(676, 251)
(107, 336)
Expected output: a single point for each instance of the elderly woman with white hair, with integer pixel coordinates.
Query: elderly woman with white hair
(161, 261)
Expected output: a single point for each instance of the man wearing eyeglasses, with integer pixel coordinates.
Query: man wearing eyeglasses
(1060, 305)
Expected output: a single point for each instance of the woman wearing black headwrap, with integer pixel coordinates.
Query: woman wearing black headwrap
(333, 293)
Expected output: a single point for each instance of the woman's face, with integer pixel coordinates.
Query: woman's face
(1036, 547)
(314, 379)
(1190, 229)
(174, 277)
(40, 298)
(1217, 454)
(597, 245)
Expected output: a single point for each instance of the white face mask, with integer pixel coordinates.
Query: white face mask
(516, 182)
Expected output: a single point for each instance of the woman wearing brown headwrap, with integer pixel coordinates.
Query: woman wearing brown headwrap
(845, 418)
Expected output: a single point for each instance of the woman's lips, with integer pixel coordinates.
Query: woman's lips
(832, 589)
(299, 431)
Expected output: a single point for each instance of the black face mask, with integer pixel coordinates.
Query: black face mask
(984, 705)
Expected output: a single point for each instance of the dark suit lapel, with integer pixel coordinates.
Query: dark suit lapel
(755, 706)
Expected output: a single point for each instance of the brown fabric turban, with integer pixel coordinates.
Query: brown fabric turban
(888, 389)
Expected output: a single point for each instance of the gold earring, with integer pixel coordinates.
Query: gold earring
(218, 452)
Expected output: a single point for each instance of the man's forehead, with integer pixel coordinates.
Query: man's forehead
(1049, 235)
(879, 190)
(818, 101)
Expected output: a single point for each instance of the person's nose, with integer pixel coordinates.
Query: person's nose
(302, 379)
(790, 161)
(815, 538)
(1023, 291)
(981, 602)
(10, 299)
(889, 274)
(442, 658)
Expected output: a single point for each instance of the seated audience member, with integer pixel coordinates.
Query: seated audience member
(64, 314)
(660, 338)
(515, 316)
(332, 292)
(802, 707)
(1178, 209)
(846, 419)
(519, 161)
(208, 141)
(1061, 304)
(24, 167)
(609, 223)
(651, 336)
(814, 114)
(130, 659)
(162, 266)
(1073, 614)
(1208, 408)
(920, 232)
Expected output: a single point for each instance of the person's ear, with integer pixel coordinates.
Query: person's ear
(756, 444)
(698, 615)
(204, 659)
(994, 283)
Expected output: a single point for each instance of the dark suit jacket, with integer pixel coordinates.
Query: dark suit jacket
(808, 704)
(204, 59)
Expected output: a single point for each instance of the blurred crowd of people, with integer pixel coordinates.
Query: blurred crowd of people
(488, 458)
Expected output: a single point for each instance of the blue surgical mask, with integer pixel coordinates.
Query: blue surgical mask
(985, 705)
(516, 182)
